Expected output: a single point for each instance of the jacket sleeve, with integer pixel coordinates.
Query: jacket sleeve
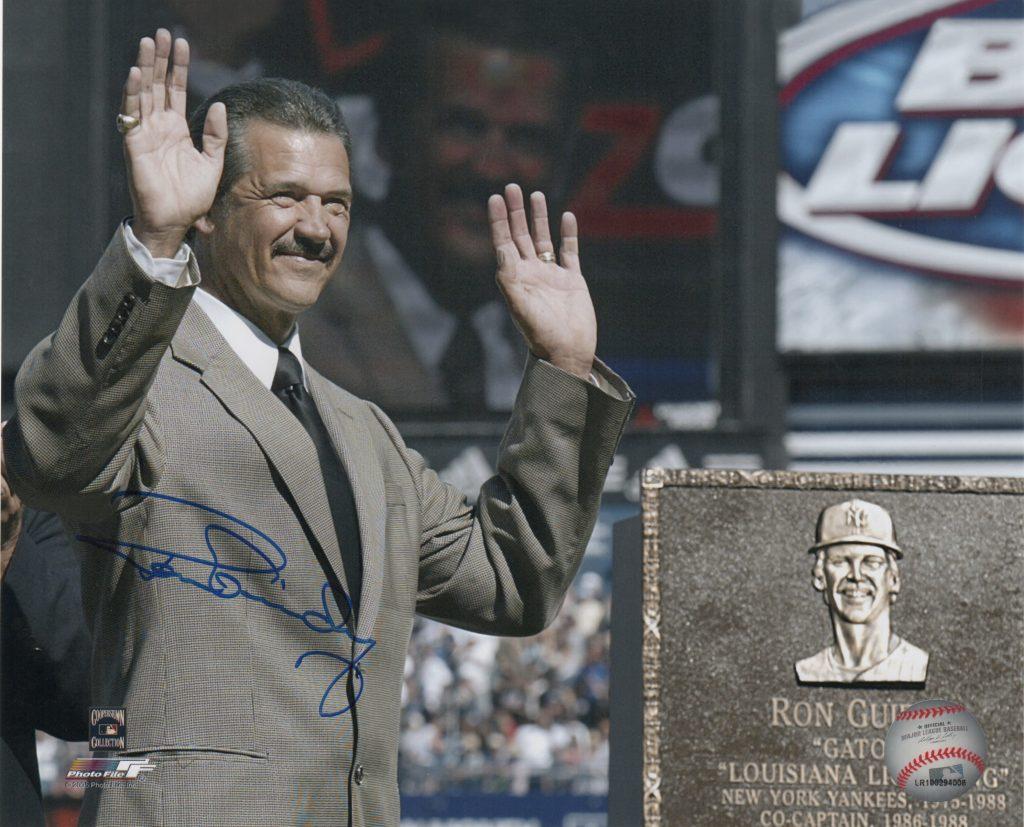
(81, 428)
(503, 567)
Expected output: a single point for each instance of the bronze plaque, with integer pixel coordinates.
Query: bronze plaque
(788, 617)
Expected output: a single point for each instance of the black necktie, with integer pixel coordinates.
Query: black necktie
(289, 389)
(463, 369)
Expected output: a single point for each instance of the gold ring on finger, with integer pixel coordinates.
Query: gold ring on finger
(126, 123)
(546, 256)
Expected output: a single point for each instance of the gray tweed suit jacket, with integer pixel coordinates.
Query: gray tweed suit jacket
(197, 501)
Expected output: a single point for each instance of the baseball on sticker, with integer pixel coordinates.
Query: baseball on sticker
(936, 750)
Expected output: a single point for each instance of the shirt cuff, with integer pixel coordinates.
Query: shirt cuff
(173, 272)
(605, 379)
(610, 382)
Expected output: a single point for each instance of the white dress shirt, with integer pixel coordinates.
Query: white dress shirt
(253, 346)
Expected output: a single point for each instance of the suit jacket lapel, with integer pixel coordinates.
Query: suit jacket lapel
(279, 434)
(355, 449)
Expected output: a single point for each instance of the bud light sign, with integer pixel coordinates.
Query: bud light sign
(901, 137)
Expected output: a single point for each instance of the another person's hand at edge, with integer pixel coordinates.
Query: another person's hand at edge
(12, 512)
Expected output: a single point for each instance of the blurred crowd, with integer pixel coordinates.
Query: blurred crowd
(510, 715)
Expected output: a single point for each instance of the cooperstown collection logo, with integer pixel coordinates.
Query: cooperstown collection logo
(901, 133)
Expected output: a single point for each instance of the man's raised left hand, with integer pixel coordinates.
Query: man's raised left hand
(549, 300)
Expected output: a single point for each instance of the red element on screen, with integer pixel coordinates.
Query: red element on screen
(1005, 312)
(336, 57)
(810, 73)
(644, 419)
(635, 127)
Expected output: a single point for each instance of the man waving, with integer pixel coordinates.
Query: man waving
(255, 539)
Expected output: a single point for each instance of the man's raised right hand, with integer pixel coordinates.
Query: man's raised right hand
(172, 183)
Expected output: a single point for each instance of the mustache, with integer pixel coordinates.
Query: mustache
(320, 252)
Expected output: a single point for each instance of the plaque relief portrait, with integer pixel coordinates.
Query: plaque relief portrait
(856, 570)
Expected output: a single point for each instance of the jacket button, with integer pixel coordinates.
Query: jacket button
(359, 773)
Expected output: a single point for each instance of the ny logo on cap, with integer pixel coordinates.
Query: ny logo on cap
(856, 516)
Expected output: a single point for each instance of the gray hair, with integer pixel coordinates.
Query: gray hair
(286, 103)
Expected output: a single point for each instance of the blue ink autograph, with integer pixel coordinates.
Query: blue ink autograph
(223, 582)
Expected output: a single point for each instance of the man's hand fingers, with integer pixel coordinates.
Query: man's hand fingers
(501, 235)
(146, 58)
(517, 221)
(162, 56)
(541, 230)
(130, 100)
(570, 251)
(177, 89)
(215, 132)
